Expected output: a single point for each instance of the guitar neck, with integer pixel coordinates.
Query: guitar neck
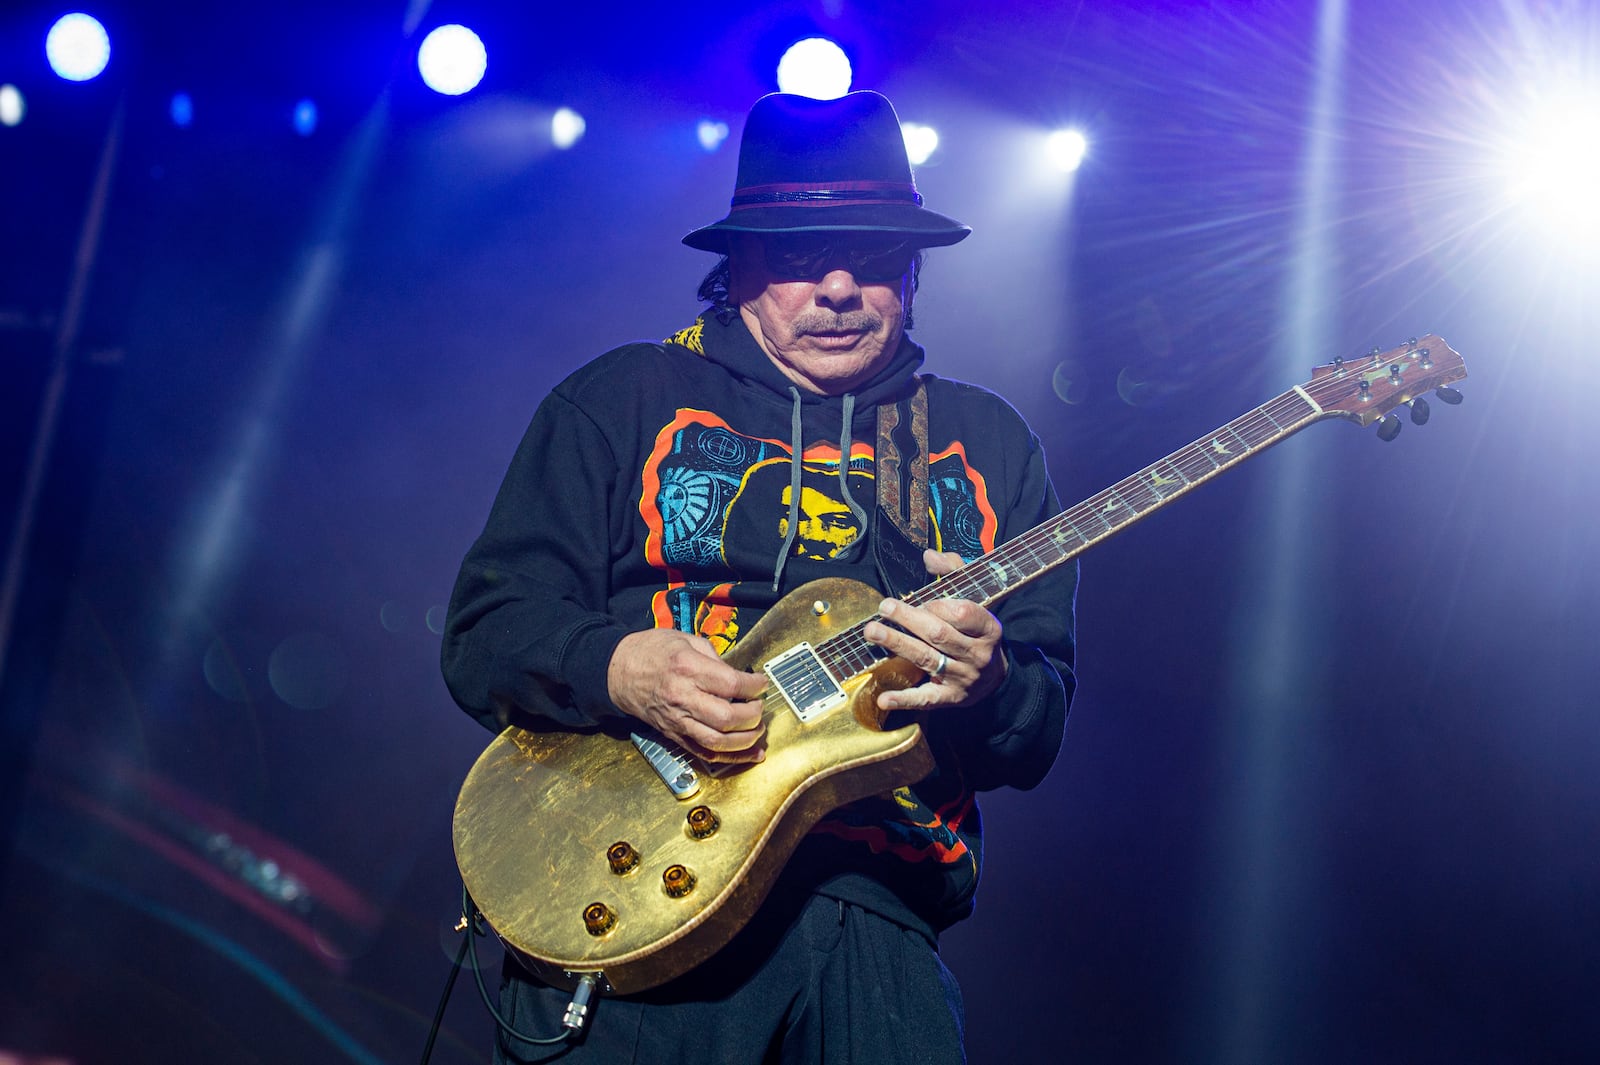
(1360, 390)
(1078, 528)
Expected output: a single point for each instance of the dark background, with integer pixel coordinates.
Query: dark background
(1328, 792)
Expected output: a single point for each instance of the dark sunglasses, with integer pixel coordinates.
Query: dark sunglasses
(803, 257)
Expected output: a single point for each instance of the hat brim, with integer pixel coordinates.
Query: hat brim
(924, 228)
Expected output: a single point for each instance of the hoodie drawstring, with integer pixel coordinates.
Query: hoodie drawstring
(796, 447)
(795, 444)
(844, 463)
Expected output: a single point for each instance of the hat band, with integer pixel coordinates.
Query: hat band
(834, 194)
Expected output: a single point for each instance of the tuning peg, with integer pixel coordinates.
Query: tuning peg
(1388, 427)
(1450, 395)
(1419, 411)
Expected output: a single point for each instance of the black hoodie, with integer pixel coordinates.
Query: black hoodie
(654, 488)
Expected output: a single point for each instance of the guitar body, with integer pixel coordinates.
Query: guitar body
(540, 812)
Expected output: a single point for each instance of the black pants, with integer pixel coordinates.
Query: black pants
(817, 981)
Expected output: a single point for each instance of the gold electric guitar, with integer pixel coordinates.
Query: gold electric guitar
(616, 855)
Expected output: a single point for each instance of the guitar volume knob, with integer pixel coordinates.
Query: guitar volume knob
(703, 822)
(677, 881)
(622, 857)
(598, 918)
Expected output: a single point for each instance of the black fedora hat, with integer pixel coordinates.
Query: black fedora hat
(820, 166)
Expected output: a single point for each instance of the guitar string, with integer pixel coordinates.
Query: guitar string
(850, 646)
(1261, 427)
(1194, 464)
(849, 653)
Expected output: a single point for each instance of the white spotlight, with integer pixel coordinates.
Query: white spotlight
(12, 106)
(1555, 167)
(566, 128)
(920, 141)
(711, 134)
(77, 47)
(815, 67)
(1066, 148)
(452, 60)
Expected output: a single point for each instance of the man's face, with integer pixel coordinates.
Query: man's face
(826, 308)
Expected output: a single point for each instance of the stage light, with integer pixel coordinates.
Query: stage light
(77, 47)
(181, 109)
(1552, 167)
(452, 60)
(12, 106)
(305, 118)
(1066, 148)
(815, 67)
(566, 128)
(711, 134)
(920, 141)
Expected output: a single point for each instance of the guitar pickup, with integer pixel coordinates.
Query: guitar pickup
(804, 682)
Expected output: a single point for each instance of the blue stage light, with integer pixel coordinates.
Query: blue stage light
(711, 134)
(12, 106)
(77, 47)
(566, 128)
(181, 109)
(920, 141)
(452, 60)
(305, 118)
(815, 67)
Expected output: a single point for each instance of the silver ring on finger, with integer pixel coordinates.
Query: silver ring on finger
(938, 670)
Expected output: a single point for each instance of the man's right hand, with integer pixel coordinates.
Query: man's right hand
(675, 683)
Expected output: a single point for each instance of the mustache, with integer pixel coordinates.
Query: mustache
(861, 321)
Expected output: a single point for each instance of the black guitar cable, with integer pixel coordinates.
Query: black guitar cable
(444, 998)
(573, 1021)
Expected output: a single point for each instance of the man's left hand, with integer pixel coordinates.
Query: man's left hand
(964, 634)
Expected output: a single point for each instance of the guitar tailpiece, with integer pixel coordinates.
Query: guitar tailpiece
(577, 1016)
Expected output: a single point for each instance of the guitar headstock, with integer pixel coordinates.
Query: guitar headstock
(1367, 387)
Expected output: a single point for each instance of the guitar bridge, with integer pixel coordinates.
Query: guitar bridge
(671, 764)
(804, 682)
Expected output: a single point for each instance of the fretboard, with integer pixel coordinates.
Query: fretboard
(1078, 528)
